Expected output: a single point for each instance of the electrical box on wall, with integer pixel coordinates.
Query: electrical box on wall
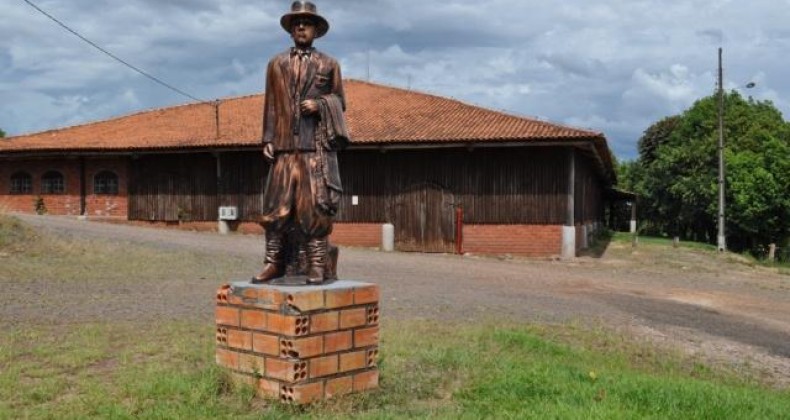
(228, 213)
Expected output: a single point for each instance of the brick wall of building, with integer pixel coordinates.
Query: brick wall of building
(107, 205)
(357, 234)
(67, 203)
(346, 234)
(526, 240)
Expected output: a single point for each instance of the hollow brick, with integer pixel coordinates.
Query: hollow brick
(253, 319)
(302, 394)
(234, 300)
(239, 379)
(301, 347)
(288, 324)
(336, 342)
(366, 337)
(339, 386)
(286, 370)
(268, 388)
(366, 380)
(222, 336)
(266, 344)
(227, 358)
(373, 356)
(269, 298)
(339, 298)
(222, 293)
(252, 364)
(373, 315)
(323, 366)
(306, 301)
(248, 293)
(351, 318)
(366, 294)
(241, 340)
(353, 361)
(325, 322)
(227, 316)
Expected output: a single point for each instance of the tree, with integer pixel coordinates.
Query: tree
(677, 173)
(656, 135)
(2, 133)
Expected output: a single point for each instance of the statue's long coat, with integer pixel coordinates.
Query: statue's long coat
(282, 119)
(295, 179)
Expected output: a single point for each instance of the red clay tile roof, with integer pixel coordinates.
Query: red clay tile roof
(376, 115)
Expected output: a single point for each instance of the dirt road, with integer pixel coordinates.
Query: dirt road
(722, 309)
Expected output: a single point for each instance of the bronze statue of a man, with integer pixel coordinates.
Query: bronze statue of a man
(303, 127)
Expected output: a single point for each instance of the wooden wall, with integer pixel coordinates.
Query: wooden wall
(243, 182)
(589, 200)
(504, 186)
(521, 185)
(186, 187)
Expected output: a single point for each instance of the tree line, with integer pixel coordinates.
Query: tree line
(676, 174)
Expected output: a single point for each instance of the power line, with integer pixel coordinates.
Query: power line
(138, 70)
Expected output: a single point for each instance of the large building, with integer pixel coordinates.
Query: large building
(446, 174)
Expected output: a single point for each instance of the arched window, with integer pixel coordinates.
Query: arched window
(105, 183)
(52, 183)
(21, 183)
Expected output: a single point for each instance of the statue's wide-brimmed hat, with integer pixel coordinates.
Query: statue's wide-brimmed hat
(302, 9)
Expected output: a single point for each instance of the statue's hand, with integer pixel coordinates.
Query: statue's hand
(309, 106)
(268, 152)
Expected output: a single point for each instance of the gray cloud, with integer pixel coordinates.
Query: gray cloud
(608, 65)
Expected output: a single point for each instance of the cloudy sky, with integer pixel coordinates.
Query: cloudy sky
(610, 65)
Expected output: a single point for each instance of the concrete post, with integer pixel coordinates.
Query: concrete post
(585, 237)
(387, 237)
(223, 227)
(569, 230)
(568, 241)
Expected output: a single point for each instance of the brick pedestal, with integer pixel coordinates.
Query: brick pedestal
(300, 344)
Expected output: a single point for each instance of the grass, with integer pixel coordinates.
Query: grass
(622, 238)
(26, 255)
(108, 368)
(625, 237)
(473, 371)
(14, 235)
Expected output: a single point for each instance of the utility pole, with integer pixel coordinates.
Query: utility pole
(721, 239)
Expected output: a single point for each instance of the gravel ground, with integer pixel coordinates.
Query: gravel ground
(716, 307)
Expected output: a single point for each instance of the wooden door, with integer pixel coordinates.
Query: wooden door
(424, 219)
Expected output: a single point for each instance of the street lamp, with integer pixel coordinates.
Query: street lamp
(721, 239)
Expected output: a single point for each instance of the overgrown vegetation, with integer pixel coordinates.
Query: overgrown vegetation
(14, 235)
(676, 174)
(39, 206)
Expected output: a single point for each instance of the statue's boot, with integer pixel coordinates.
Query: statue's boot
(330, 272)
(273, 266)
(317, 256)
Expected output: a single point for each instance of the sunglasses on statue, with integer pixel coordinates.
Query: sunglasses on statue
(303, 22)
